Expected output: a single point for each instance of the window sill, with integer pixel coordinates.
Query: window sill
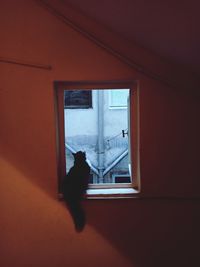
(111, 193)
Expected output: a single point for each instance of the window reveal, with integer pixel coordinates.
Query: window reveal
(82, 99)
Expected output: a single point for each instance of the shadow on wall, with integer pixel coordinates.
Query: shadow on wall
(147, 232)
(27, 140)
(34, 165)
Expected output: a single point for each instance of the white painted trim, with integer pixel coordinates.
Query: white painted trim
(112, 191)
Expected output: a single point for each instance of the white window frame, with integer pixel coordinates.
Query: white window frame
(101, 190)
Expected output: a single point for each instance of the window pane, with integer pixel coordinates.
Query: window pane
(77, 99)
(118, 98)
(101, 133)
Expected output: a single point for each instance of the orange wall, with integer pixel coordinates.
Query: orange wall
(36, 229)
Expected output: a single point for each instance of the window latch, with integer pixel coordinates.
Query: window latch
(124, 133)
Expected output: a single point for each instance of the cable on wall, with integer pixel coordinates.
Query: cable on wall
(25, 63)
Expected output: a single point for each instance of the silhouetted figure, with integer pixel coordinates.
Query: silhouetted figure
(74, 187)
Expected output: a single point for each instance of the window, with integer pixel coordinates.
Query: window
(121, 178)
(79, 99)
(102, 120)
(118, 98)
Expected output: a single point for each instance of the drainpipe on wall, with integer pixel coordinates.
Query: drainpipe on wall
(101, 151)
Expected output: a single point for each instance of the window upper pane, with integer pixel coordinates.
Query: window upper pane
(118, 98)
(80, 99)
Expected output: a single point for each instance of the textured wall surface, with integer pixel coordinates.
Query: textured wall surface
(37, 229)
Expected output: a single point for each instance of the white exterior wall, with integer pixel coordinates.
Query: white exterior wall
(84, 121)
(81, 133)
(115, 120)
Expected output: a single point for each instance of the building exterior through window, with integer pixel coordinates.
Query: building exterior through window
(96, 121)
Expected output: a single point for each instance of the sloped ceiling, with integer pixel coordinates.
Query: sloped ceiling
(170, 29)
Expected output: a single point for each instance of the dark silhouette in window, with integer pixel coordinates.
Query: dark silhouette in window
(74, 188)
(79, 99)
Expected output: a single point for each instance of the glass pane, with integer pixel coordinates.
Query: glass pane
(118, 98)
(102, 133)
